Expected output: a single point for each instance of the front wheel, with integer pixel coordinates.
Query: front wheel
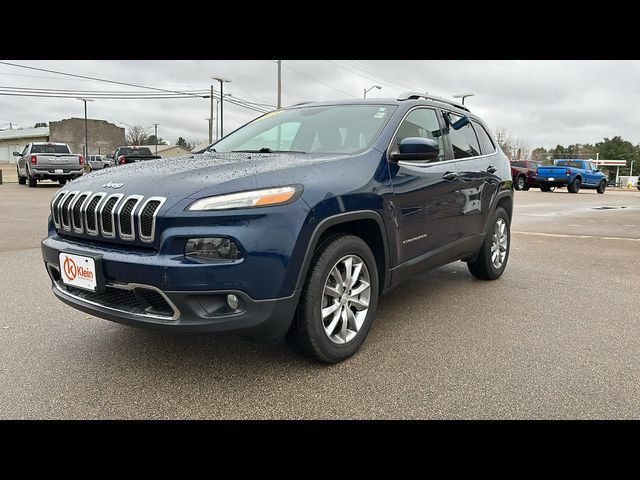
(602, 187)
(494, 254)
(21, 180)
(338, 301)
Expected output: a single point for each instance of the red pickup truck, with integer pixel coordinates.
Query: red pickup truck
(523, 174)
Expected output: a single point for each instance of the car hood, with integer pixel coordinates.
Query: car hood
(181, 177)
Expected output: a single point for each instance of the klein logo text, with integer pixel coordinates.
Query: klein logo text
(112, 185)
(71, 270)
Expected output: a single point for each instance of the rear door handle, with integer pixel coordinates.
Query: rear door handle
(450, 175)
(492, 169)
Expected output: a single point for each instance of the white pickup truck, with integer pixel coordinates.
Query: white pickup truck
(48, 161)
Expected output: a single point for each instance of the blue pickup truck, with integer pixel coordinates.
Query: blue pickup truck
(574, 174)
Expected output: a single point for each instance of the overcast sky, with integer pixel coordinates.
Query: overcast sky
(544, 103)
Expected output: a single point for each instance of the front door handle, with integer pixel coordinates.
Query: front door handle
(492, 169)
(450, 175)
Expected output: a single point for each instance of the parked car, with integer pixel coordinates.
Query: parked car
(47, 161)
(97, 162)
(574, 174)
(523, 174)
(133, 154)
(291, 225)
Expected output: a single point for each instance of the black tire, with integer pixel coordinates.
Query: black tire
(520, 183)
(574, 187)
(62, 182)
(482, 267)
(307, 334)
(544, 187)
(21, 180)
(31, 181)
(526, 187)
(602, 187)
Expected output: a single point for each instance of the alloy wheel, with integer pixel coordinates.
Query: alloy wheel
(499, 243)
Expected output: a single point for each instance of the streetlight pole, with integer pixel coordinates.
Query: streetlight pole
(86, 129)
(156, 135)
(222, 82)
(631, 171)
(367, 90)
(279, 106)
(463, 96)
(211, 119)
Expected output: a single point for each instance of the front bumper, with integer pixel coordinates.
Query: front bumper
(146, 305)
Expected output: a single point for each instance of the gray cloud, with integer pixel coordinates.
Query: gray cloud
(543, 102)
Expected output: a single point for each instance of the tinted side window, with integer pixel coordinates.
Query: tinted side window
(486, 144)
(464, 141)
(422, 122)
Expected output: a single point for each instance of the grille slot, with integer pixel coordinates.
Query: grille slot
(126, 226)
(106, 215)
(55, 211)
(90, 214)
(64, 210)
(147, 218)
(76, 212)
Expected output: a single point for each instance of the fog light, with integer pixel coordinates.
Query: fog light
(232, 301)
(212, 248)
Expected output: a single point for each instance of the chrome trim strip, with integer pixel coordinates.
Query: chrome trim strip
(71, 208)
(67, 227)
(112, 233)
(153, 219)
(125, 286)
(57, 196)
(132, 236)
(95, 213)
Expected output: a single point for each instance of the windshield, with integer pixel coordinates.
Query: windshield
(321, 129)
(50, 149)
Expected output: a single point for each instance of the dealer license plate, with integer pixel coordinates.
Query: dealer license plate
(78, 271)
(551, 179)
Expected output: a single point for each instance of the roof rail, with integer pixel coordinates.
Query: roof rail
(416, 96)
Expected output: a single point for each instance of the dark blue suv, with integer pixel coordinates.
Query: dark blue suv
(291, 225)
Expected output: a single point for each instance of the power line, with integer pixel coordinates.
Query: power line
(316, 80)
(370, 70)
(368, 77)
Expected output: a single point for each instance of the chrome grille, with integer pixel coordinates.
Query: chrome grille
(109, 216)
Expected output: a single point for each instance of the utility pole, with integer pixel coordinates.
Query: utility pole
(222, 82)
(156, 134)
(86, 130)
(211, 118)
(279, 106)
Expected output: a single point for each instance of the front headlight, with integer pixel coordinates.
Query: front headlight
(249, 199)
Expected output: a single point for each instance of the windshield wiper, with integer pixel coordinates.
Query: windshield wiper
(266, 150)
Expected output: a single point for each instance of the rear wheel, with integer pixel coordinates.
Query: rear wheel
(21, 180)
(526, 187)
(494, 254)
(31, 181)
(574, 187)
(544, 187)
(62, 181)
(520, 183)
(602, 187)
(338, 301)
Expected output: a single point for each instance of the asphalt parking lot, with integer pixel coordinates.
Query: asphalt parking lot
(555, 337)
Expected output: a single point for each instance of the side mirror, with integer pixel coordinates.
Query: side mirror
(16, 154)
(416, 148)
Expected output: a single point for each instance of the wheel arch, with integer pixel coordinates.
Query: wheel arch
(366, 224)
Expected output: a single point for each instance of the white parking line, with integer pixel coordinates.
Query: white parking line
(563, 235)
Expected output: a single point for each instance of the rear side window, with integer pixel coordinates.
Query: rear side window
(50, 149)
(486, 144)
(464, 141)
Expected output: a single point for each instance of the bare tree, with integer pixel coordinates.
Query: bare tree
(136, 135)
(513, 147)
